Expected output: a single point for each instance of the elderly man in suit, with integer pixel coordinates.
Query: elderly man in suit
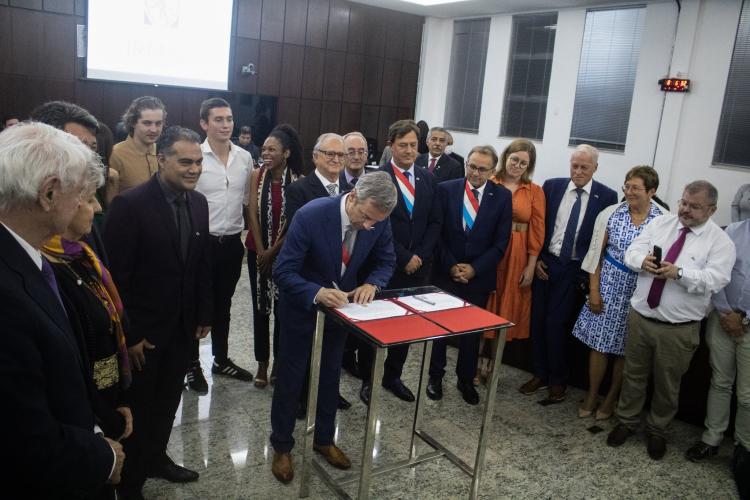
(329, 241)
(158, 239)
(437, 161)
(572, 206)
(477, 217)
(49, 443)
(416, 228)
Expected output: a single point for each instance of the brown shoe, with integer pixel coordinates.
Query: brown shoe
(334, 456)
(282, 467)
(531, 386)
(556, 393)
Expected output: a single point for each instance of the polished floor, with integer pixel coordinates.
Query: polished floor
(535, 451)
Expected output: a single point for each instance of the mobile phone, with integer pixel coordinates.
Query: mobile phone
(657, 255)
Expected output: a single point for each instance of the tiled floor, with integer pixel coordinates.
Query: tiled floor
(535, 451)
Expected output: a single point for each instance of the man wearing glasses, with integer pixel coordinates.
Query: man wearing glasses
(672, 296)
(355, 164)
(477, 218)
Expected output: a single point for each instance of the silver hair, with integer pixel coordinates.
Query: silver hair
(354, 134)
(32, 152)
(437, 129)
(711, 193)
(378, 187)
(325, 137)
(589, 150)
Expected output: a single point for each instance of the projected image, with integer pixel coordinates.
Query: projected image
(165, 42)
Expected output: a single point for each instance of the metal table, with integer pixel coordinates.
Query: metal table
(438, 450)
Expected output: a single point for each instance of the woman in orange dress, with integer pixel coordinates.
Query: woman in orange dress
(512, 297)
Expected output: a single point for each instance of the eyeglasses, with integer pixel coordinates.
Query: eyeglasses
(634, 189)
(357, 152)
(474, 168)
(692, 206)
(515, 160)
(330, 155)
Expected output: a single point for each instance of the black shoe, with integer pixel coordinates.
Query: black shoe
(656, 446)
(195, 379)
(229, 369)
(619, 435)
(301, 411)
(172, 472)
(468, 392)
(700, 451)
(364, 393)
(435, 388)
(349, 363)
(399, 390)
(343, 403)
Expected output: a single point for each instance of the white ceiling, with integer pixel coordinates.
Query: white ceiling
(486, 7)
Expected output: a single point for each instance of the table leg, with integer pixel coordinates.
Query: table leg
(371, 424)
(312, 405)
(421, 392)
(489, 407)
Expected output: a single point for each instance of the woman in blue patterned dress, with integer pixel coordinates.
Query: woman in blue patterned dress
(602, 323)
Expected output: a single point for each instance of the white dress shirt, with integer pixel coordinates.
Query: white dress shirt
(326, 182)
(706, 260)
(563, 214)
(225, 188)
(411, 178)
(480, 191)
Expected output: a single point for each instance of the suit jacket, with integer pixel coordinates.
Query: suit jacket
(308, 188)
(419, 233)
(311, 258)
(446, 168)
(484, 245)
(161, 293)
(600, 198)
(460, 159)
(345, 183)
(49, 446)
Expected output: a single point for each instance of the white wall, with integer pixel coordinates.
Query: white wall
(679, 144)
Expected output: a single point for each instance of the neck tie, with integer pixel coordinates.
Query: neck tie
(475, 192)
(49, 277)
(183, 225)
(346, 248)
(657, 286)
(354, 180)
(566, 251)
(407, 174)
(331, 189)
(432, 165)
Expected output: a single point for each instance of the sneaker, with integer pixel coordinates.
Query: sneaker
(229, 369)
(195, 379)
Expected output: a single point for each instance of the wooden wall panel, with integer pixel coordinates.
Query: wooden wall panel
(376, 28)
(389, 95)
(292, 63)
(373, 80)
(369, 121)
(312, 77)
(388, 115)
(288, 111)
(351, 115)
(330, 117)
(295, 21)
(317, 23)
(357, 23)
(413, 39)
(60, 6)
(27, 4)
(333, 80)
(5, 40)
(354, 75)
(248, 18)
(269, 68)
(309, 122)
(338, 25)
(408, 88)
(272, 21)
(44, 52)
(246, 51)
(80, 7)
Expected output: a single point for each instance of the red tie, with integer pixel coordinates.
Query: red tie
(432, 165)
(657, 286)
(346, 247)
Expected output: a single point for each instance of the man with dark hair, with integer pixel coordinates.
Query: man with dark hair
(158, 237)
(416, 229)
(224, 183)
(437, 161)
(245, 141)
(9, 121)
(135, 157)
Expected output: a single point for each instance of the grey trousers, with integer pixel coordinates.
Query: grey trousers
(664, 350)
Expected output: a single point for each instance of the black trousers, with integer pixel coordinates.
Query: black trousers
(468, 345)
(154, 397)
(261, 322)
(226, 258)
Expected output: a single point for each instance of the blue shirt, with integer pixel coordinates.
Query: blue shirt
(736, 295)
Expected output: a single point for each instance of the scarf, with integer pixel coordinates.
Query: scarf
(102, 286)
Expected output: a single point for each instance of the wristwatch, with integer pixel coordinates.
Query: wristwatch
(679, 273)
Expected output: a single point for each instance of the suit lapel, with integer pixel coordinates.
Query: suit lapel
(318, 189)
(593, 207)
(194, 225)
(165, 213)
(333, 235)
(486, 204)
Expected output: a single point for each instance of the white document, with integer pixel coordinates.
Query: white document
(377, 309)
(427, 302)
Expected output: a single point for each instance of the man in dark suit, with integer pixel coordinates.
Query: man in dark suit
(436, 161)
(245, 141)
(329, 241)
(477, 217)
(50, 449)
(416, 228)
(324, 181)
(572, 206)
(157, 237)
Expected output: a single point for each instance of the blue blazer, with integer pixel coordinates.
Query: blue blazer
(49, 446)
(600, 198)
(484, 245)
(419, 233)
(311, 258)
